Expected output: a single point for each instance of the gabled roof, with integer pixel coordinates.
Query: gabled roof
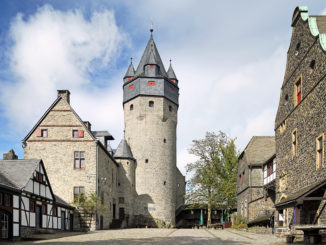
(171, 73)
(259, 150)
(317, 24)
(123, 151)
(48, 111)
(131, 71)
(17, 173)
(151, 56)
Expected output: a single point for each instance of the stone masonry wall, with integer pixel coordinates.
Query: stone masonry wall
(181, 188)
(151, 134)
(127, 189)
(297, 172)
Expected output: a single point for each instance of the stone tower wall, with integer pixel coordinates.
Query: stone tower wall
(151, 134)
(126, 188)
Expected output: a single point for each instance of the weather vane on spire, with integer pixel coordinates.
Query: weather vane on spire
(151, 30)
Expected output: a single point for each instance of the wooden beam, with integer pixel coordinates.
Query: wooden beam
(313, 198)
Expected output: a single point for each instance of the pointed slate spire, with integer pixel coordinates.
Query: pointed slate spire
(131, 71)
(171, 73)
(151, 57)
(123, 151)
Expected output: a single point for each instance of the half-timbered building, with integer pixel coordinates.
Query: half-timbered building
(27, 202)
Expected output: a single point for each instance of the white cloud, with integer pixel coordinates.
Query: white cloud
(59, 50)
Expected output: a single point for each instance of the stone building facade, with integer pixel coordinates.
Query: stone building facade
(252, 201)
(139, 182)
(76, 161)
(300, 125)
(150, 102)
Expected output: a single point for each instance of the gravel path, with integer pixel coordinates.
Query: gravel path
(155, 236)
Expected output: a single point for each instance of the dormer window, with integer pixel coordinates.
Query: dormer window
(298, 88)
(151, 103)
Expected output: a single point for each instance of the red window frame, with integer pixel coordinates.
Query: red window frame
(32, 205)
(44, 208)
(299, 91)
(131, 87)
(151, 83)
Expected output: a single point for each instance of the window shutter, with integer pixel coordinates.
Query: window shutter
(38, 133)
(80, 133)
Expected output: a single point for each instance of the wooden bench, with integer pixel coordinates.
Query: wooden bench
(215, 226)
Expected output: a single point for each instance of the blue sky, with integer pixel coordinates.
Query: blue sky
(229, 57)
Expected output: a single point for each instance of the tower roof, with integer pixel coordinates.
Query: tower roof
(123, 150)
(131, 71)
(171, 73)
(152, 57)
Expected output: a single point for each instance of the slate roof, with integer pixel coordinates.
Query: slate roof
(151, 56)
(259, 150)
(123, 150)
(16, 173)
(62, 202)
(171, 73)
(131, 71)
(103, 134)
(321, 23)
(261, 219)
(294, 196)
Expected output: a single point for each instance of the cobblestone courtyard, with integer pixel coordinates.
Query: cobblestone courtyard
(157, 236)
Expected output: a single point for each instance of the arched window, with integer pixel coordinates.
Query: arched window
(131, 107)
(151, 103)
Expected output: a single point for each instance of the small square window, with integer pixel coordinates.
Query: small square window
(44, 208)
(75, 133)
(146, 160)
(44, 133)
(151, 103)
(121, 200)
(32, 205)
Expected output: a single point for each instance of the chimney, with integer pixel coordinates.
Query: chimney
(10, 155)
(65, 94)
(88, 125)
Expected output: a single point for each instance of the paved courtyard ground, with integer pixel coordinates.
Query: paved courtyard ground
(156, 236)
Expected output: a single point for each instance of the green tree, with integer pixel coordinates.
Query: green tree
(213, 174)
(88, 206)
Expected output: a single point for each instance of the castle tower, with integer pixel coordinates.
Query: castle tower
(150, 102)
(126, 185)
